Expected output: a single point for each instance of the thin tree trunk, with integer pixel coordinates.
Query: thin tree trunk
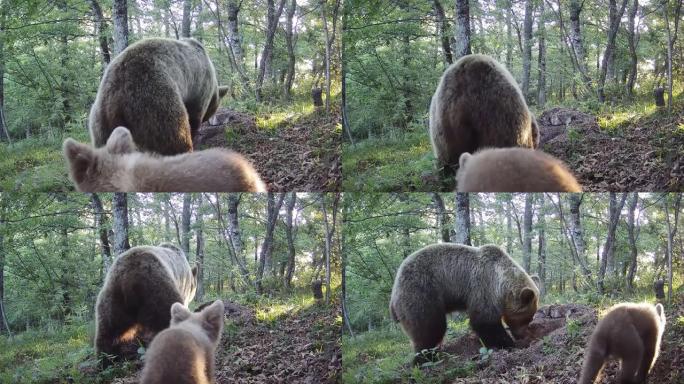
(289, 42)
(541, 256)
(101, 225)
(541, 85)
(120, 222)
(527, 48)
(266, 248)
(632, 33)
(462, 225)
(120, 23)
(291, 201)
(273, 15)
(326, 35)
(509, 34)
(462, 29)
(4, 130)
(576, 41)
(671, 38)
(4, 324)
(442, 30)
(671, 231)
(631, 224)
(606, 256)
(199, 251)
(101, 30)
(185, 224)
(614, 17)
(442, 218)
(187, 18)
(527, 228)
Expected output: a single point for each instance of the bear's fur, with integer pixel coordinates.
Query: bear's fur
(514, 170)
(139, 289)
(442, 278)
(478, 104)
(184, 352)
(118, 167)
(631, 333)
(162, 90)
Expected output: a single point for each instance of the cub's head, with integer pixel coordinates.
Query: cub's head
(91, 168)
(209, 321)
(520, 306)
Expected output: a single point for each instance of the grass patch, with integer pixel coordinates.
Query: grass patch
(389, 164)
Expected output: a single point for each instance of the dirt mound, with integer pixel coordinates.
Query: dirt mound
(555, 123)
(212, 133)
(233, 311)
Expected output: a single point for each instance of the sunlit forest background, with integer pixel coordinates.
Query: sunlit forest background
(588, 249)
(588, 70)
(266, 254)
(272, 54)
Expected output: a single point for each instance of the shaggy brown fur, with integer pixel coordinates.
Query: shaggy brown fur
(184, 353)
(119, 167)
(140, 287)
(478, 104)
(514, 170)
(631, 333)
(442, 278)
(162, 90)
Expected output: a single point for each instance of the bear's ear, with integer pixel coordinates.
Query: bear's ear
(120, 141)
(465, 156)
(194, 271)
(661, 312)
(213, 319)
(80, 158)
(223, 90)
(179, 313)
(527, 296)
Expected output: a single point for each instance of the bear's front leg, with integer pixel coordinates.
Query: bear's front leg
(493, 334)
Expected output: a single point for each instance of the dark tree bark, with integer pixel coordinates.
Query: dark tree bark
(101, 30)
(462, 225)
(329, 232)
(266, 247)
(509, 227)
(607, 254)
(527, 228)
(187, 18)
(527, 47)
(289, 42)
(541, 255)
(326, 35)
(462, 29)
(671, 232)
(631, 234)
(291, 201)
(120, 222)
(614, 17)
(541, 84)
(101, 225)
(273, 14)
(185, 224)
(442, 31)
(4, 324)
(509, 34)
(671, 39)
(632, 39)
(120, 23)
(4, 130)
(199, 251)
(576, 40)
(442, 218)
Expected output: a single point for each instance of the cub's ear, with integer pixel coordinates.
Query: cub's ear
(213, 319)
(223, 90)
(194, 270)
(120, 141)
(80, 157)
(465, 156)
(179, 313)
(660, 311)
(527, 296)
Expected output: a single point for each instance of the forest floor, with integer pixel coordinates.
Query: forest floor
(280, 340)
(554, 355)
(294, 148)
(630, 148)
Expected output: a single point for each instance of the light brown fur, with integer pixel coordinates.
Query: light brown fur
(119, 167)
(631, 333)
(162, 90)
(184, 353)
(478, 104)
(514, 170)
(140, 287)
(442, 278)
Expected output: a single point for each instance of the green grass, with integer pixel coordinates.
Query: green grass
(399, 164)
(384, 355)
(58, 356)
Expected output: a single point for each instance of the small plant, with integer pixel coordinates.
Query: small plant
(573, 328)
(485, 354)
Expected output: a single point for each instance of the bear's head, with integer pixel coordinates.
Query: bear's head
(215, 101)
(519, 308)
(91, 169)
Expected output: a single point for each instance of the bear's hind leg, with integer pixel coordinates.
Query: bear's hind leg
(427, 333)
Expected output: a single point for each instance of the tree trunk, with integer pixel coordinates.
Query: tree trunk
(329, 228)
(4, 324)
(442, 218)
(541, 256)
(527, 48)
(462, 29)
(187, 18)
(120, 23)
(671, 232)
(671, 38)
(289, 42)
(101, 225)
(462, 225)
(509, 34)
(632, 36)
(509, 227)
(120, 222)
(4, 130)
(576, 225)
(614, 17)
(185, 224)
(576, 41)
(273, 15)
(631, 224)
(326, 35)
(442, 31)
(541, 85)
(235, 41)
(607, 254)
(266, 246)
(101, 30)
(199, 255)
(290, 239)
(527, 228)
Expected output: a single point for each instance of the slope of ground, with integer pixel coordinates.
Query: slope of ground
(290, 153)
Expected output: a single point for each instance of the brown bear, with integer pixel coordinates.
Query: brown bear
(162, 90)
(514, 170)
(485, 282)
(140, 287)
(184, 352)
(478, 104)
(119, 167)
(631, 333)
